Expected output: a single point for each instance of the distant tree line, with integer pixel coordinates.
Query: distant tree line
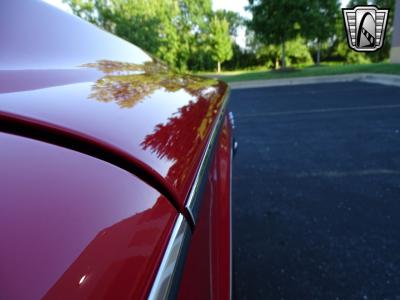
(308, 27)
(189, 35)
(186, 34)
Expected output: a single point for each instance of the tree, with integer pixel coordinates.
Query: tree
(83, 9)
(142, 22)
(277, 21)
(192, 27)
(321, 16)
(233, 18)
(297, 53)
(220, 41)
(385, 51)
(173, 30)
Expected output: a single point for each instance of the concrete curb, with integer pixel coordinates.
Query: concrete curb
(385, 79)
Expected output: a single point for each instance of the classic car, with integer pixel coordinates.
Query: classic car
(115, 172)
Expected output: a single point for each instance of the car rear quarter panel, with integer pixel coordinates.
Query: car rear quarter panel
(73, 226)
(77, 226)
(207, 273)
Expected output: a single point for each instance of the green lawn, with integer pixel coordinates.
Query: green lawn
(385, 68)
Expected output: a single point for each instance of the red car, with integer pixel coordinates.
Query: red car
(115, 173)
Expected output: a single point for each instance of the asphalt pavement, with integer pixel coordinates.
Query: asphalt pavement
(316, 192)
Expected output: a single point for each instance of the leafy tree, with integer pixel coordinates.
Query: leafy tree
(83, 9)
(220, 41)
(137, 21)
(233, 18)
(277, 21)
(241, 58)
(321, 16)
(296, 51)
(192, 27)
(384, 53)
(174, 30)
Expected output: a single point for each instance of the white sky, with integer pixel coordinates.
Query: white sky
(59, 4)
(234, 5)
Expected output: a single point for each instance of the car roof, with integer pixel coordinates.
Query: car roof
(64, 75)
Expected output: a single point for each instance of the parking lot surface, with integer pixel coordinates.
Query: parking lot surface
(316, 192)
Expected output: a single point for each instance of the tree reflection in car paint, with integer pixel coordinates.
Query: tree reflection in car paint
(128, 84)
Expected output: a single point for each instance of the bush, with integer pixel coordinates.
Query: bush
(297, 53)
(344, 53)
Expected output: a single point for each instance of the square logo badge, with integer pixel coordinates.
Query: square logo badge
(365, 27)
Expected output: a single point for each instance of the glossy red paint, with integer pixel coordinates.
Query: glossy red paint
(88, 202)
(69, 76)
(207, 273)
(78, 141)
(221, 235)
(73, 226)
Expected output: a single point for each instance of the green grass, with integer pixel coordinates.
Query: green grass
(335, 69)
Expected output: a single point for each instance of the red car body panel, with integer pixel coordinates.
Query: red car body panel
(221, 211)
(101, 146)
(207, 273)
(134, 106)
(73, 226)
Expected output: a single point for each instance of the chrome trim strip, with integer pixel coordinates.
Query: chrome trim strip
(232, 119)
(193, 202)
(166, 283)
